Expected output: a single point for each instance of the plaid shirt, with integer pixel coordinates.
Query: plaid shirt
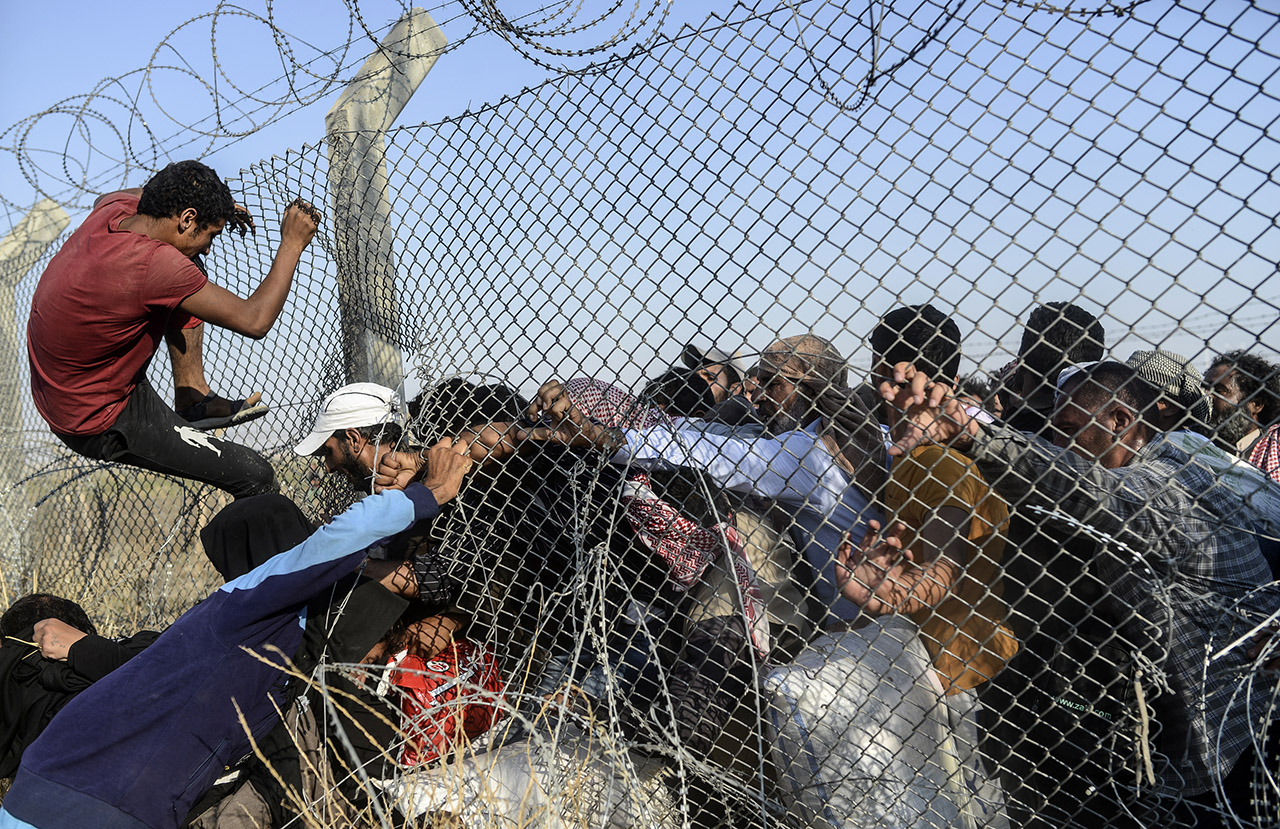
(1183, 577)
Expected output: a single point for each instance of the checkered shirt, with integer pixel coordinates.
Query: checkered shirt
(1186, 579)
(1266, 453)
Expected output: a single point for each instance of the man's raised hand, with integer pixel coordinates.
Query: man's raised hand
(551, 404)
(300, 222)
(242, 221)
(930, 414)
(492, 441)
(396, 470)
(557, 419)
(861, 571)
(447, 462)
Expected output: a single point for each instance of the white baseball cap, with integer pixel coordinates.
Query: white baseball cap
(350, 407)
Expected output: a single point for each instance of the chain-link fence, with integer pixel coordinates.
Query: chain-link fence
(683, 632)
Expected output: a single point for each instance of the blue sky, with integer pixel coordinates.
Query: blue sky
(96, 42)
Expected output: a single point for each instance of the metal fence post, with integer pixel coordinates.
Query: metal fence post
(364, 248)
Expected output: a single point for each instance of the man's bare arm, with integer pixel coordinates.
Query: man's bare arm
(254, 316)
(396, 576)
(880, 582)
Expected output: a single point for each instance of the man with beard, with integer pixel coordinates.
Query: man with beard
(1245, 392)
(355, 430)
(356, 426)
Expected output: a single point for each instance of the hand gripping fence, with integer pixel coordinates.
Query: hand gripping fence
(732, 567)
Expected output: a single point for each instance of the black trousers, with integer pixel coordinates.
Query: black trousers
(150, 435)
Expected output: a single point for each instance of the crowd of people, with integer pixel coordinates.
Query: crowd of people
(906, 600)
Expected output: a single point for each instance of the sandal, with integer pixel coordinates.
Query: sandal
(242, 411)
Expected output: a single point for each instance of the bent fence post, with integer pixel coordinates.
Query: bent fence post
(19, 251)
(364, 240)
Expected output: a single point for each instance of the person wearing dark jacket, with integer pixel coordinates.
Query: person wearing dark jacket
(343, 625)
(50, 652)
(140, 746)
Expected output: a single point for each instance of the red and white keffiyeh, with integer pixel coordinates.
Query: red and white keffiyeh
(611, 406)
(1266, 453)
(687, 547)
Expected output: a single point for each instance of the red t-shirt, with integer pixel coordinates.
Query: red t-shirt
(99, 314)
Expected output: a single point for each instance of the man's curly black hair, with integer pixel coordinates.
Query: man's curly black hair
(184, 184)
(1257, 379)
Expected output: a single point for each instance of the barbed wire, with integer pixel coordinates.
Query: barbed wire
(534, 271)
(117, 122)
(1086, 11)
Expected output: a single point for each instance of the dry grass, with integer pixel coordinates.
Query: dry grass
(125, 544)
(122, 542)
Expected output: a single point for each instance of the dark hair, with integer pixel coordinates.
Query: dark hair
(981, 388)
(1258, 381)
(452, 405)
(28, 610)
(919, 334)
(1057, 335)
(184, 184)
(383, 434)
(1109, 383)
(681, 392)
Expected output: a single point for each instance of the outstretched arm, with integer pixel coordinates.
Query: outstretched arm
(338, 547)
(255, 315)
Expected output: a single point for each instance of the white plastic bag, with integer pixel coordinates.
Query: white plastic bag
(569, 782)
(864, 736)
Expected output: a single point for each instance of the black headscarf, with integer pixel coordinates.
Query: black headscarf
(32, 690)
(680, 392)
(251, 530)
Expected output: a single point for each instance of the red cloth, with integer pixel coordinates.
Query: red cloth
(457, 691)
(1266, 453)
(687, 548)
(99, 315)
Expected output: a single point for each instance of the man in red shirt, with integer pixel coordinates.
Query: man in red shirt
(125, 280)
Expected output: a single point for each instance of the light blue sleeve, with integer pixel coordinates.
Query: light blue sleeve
(331, 551)
(8, 821)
